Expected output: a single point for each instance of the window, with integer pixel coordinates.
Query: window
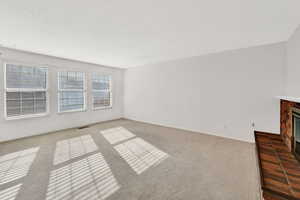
(71, 91)
(102, 95)
(25, 91)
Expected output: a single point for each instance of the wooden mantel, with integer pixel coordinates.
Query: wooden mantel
(289, 98)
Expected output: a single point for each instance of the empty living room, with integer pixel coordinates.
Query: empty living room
(150, 100)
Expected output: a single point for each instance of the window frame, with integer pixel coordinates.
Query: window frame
(110, 91)
(84, 90)
(25, 90)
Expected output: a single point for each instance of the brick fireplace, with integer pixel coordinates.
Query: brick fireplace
(286, 122)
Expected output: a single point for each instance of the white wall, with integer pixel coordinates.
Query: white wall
(293, 65)
(26, 127)
(220, 94)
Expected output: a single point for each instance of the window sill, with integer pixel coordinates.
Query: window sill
(26, 116)
(103, 108)
(71, 111)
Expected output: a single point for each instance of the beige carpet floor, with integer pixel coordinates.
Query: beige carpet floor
(128, 160)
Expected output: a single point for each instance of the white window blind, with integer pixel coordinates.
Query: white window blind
(71, 91)
(102, 95)
(26, 90)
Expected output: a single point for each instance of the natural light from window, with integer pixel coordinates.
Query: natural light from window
(26, 91)
(89, 178)
(71, 91)
(140, 155)
(16, 165)
(102, 91)
(115, 135)
(73, 148)
(10, 193)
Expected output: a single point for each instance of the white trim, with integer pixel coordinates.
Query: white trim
(72, 111)
(110, 91)
(27, 116)
(25, 90)
(84, 90)
(4, 77)
(102, 108)
(289, 98)
(46, 90)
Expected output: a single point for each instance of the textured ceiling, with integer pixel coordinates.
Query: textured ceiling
(137, 32)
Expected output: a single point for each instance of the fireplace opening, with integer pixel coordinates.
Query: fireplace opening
(296, 133)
